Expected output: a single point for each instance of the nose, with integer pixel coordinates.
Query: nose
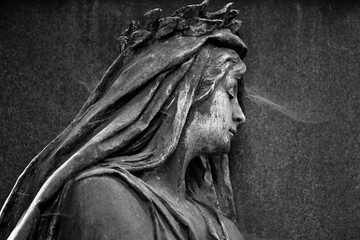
(238, 115)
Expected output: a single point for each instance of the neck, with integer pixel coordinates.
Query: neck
(169, 178)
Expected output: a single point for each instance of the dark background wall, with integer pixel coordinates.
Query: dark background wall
(295, 164)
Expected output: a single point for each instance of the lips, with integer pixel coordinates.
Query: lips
(233, 131)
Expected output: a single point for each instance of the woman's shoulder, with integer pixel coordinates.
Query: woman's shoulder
(222, 223)
(104, 205)
(231, 228)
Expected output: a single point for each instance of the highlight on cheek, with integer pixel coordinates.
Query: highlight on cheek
(209, 128)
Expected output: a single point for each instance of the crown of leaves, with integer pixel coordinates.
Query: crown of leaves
(192, 20)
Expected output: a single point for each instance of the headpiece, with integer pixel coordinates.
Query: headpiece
(192, 20)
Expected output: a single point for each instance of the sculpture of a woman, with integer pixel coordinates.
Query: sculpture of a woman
(146, 156)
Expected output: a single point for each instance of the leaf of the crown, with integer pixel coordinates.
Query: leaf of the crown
(192, 20)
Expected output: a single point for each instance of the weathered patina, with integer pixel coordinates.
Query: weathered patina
(146, 156)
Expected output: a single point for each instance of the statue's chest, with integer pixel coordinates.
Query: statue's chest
(201, 222)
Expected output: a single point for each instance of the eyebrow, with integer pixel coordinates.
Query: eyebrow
(227, 57)
(232, 59)
(237, 72)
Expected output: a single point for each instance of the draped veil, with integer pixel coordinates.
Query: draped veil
(133, 119)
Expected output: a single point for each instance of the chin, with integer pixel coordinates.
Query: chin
(226, 149)
(216, 146)
(221, 148)
(226, 145)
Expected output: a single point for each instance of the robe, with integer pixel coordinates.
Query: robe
(167, 217)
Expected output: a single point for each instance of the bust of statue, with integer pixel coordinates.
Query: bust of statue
(146, 156)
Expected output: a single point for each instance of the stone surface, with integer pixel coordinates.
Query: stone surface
(295, 175)
(298, 174)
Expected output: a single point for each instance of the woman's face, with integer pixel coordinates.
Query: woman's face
(215, 120)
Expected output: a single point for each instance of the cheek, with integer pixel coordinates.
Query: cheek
(212, 126)
(221, 122)
(221, 113)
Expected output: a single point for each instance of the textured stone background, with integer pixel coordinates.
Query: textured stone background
(295, 164)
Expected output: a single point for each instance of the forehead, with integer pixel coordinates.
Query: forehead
(228, 53)
(231, 60)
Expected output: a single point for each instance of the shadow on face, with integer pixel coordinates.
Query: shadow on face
(215, 119)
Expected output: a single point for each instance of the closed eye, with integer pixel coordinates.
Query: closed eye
(231, 93)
